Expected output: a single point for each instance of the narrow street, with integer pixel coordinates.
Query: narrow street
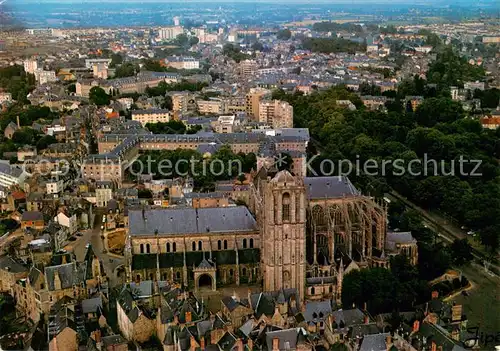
(93, 236)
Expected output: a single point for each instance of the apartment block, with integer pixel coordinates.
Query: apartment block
(30, 66)
(171, 32)
(151, 116)
(248, 67)
(182, 62)
(277, 113)
(210, 107)
(253, 99)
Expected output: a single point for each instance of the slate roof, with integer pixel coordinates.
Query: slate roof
(231, 303)
(394, 238)
(32, 216)
(92, 305)
(317, 310)
(374, 342)
(440, 336)
(8, 263)
(143, 288)
(349, 317)
(33, 275)
(210, 148)
(288, 338)
(70, 274)
(227, 341)
(190, 220)
(264, 303)
(329, 187)
(113, 340)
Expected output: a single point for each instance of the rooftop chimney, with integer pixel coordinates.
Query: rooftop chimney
(276, 344)
(388, 342)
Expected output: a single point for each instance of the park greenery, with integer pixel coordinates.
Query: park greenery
(183, 85)
(332, 45)
(405, 285)
(284, 34)
(234, 52)
(438, 130)
(156, 66)
(127, 69)
(450, 69)
(337, 27)
(171, 127)
(98, 96)
(16, 81)
(203, 180)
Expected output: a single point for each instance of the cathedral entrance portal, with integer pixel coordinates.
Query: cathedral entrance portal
(205, 282)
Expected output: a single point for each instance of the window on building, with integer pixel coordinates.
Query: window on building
(315, 315)
(244, 271)
(251, 243)
(285, 211)
(225, 244)
(174, 247)
(194, 245)
(312, 291)
(168, 247)
(219, 245)
(178, 275)
(244, 243)
(142, 248)
(200, 245)
(148, 248)
(231, 272)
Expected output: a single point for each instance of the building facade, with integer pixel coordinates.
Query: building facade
(151, 116)
(297, 233)
(278, 114)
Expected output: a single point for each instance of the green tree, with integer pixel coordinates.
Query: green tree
(490, 98)
(284, 34)
(461, 252)
(436, 110)
(234, 52)
(182, 40)
(116, 59)
(339, 346)
(45, 141)
(98, 96)
(332, 45)
(127, 69)
(144, 194)
(193, 41)
(171, 127)
(257, 46)
(25, 136)
(71, 88)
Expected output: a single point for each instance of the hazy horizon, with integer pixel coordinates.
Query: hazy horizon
(305, 2)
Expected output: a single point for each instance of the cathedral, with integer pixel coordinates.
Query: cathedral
(295, 232)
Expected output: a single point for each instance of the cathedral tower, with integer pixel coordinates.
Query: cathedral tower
(284, 233)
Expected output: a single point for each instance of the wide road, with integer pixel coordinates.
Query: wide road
(446, 231)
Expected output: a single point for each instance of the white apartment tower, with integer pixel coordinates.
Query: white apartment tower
(30, 66)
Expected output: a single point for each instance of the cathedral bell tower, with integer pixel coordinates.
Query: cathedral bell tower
(284, 233)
